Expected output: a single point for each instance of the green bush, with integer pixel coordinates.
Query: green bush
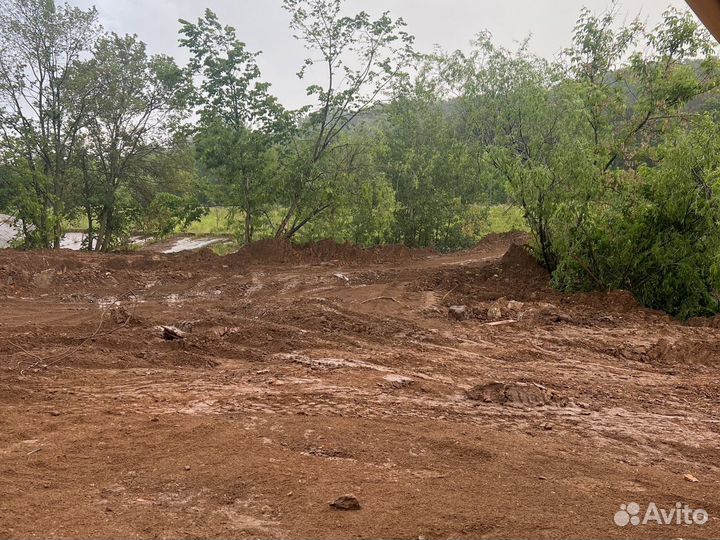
(657, 233)
(168, 212)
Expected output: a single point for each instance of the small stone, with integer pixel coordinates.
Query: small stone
(691, 478)
(187, 467)
(563, 317)
(120, 315)
(515, 305)
(55, 413)
(44, 278)
(186, 326)
(547, 426)
(494, 313)
(398, 381)
(346, 502)
(582, 404)
(170, 333)
(459, 313)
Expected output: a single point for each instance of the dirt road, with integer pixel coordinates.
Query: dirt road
(308, 374)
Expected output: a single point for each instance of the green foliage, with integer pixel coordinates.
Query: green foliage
(168, 213)
(433, 173)
(240, 122)
(373, 206)
(502, 218)
(17, 197)
(658, 233)
(363, 199)
(230, 89)
(137, 100)
(362, 58)
(44, 97)
(83, 117)
(577, 145)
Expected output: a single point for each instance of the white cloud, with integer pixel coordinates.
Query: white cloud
(263, 25)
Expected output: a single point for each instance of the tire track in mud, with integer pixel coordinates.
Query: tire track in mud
(294, 383)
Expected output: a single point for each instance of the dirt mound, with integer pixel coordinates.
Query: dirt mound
(518, 258)
(496, 241)
(687, 351)
(274, 251)
(329, 250)
(37, 269)
(36, 261)
(514, 275)
(266, 251)
(614, 301)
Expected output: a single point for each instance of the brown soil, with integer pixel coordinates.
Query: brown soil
(326, 251)
(314, 373)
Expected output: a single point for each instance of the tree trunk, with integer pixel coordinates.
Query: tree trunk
(44, 233)
(57, 233)
(90, 228)
(248, 213)
(107, 228)
(248, 226)
(107, 237)
(102, 229)
(58, 212)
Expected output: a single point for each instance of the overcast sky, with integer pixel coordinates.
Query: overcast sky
(263, 25)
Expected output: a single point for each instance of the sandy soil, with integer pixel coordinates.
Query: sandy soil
(308, 374)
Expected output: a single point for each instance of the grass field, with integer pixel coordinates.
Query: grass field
(505, 218)
(502, 218)
(215, 222)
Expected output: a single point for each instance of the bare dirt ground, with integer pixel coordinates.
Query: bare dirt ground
(307, 374)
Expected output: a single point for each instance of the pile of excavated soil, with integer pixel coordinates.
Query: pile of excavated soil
(500, 241)
(273, 251)
(20, 269)
(516, 275)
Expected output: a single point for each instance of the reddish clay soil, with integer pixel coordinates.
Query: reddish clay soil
(306, 374)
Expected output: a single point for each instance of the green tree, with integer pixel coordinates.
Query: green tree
(435, 177)
(137, 101)
(524, 124)
(239, 120)
(17, 195)
(560, 135)
(44, 101)
(360, 58)
(657, 233)
(363, 209)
